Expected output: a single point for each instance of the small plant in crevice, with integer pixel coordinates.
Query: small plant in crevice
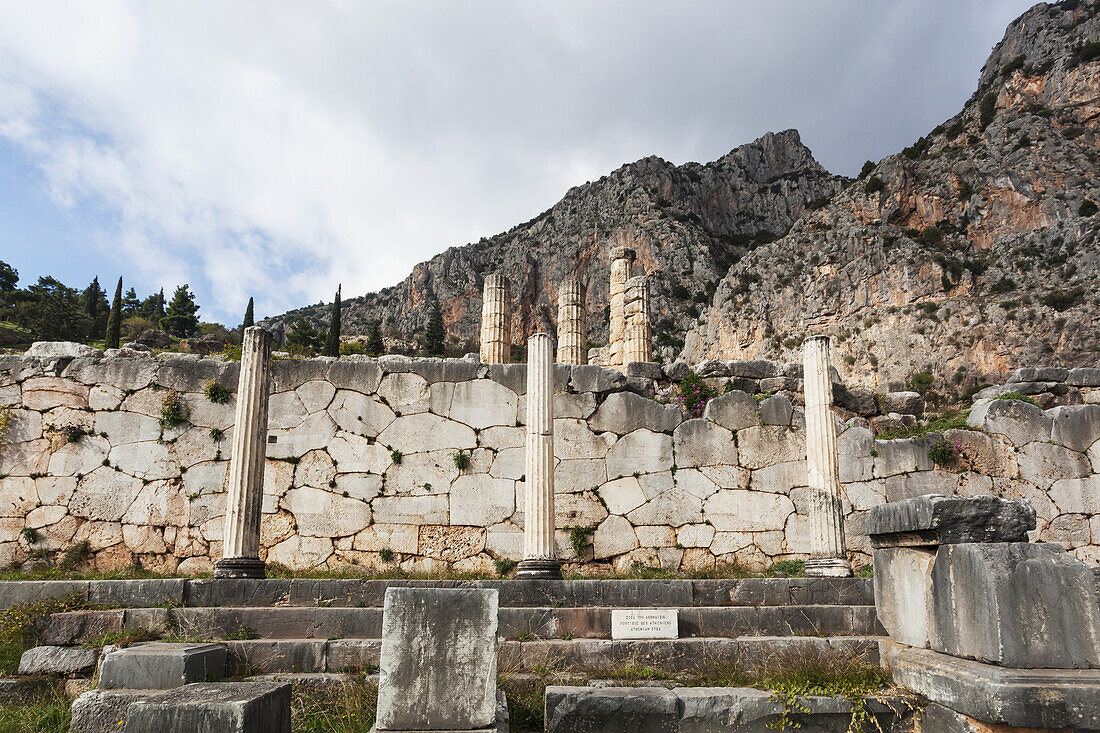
(29, 535)
(504, 566)
(216, 434)
(694, 394)
(943, 452)
(173, 411)
(578, 538)
(216, 393)
(395, 456)
(73, 433)
(461, 459)
(386, 554)
(1018, 396)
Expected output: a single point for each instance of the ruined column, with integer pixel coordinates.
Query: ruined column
(540, 556)
(572, 334)
(638, 341)
(496, 321)
(621, 259)
(828, 551)
(241, 541)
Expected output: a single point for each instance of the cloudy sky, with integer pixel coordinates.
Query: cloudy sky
(275, 149)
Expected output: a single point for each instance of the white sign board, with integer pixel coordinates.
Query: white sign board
(644, 623)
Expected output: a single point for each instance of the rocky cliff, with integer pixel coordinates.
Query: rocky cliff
(969, 253)
(688, 223)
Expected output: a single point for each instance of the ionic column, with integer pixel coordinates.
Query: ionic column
(572, 335)
(241, 541)
(638, 339)
(828, 551)
(621, 258)
(496, 321)
(540, 556)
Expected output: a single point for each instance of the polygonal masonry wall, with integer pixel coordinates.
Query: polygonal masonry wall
(361, 467)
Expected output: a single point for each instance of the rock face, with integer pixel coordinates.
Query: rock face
(688, 224)
(971, 252)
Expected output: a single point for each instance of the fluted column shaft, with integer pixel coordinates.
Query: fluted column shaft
(829, 556)
(621, 259)
(241, 541)
(496, 321)
(540, 557)
(572, 333)
(638, 340)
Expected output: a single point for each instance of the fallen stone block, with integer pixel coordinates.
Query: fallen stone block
(903, 592)
(103, 711)
(221, 707)
(904, 403)
(1084, 377)
(1019, 421)
(58, 660)
(1039, 374)
(931, 520)
(622, 709)
(1015, 604)
(161, 666)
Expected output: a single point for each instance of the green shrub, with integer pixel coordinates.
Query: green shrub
(1014, 65)
(1061, 300)
(504, 566)
(395, 456)
(578, 538)
(216, 393)
(920, 382)
(867, 169)
(1019, 396)
(173, 410)
(943, 451)
(792, 568)
(29, 535)
(461, 459)
(874, 185)
(694, 394)
(386, 554)
(987, 109)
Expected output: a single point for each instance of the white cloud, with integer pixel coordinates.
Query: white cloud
(270, 149)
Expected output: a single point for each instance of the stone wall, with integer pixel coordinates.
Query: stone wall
(85, 458)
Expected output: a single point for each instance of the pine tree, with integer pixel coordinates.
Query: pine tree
(95, 301)
(249, 317)
(114, 320)
(375, 346)
(435, 335)
(332, 339)
(158, 305)
(181, 319)
(301, 339)
(130, 304)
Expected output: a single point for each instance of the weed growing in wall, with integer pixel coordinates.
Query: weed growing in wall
(504, 566)
(694, 394)
(943, 452)
(462, 460)
(216, 393)
(5, 420)
(173, 411)
(395, 456)
(1017, 396)
(578, 537)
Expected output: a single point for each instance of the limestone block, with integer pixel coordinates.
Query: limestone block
(1015, 604)
(418, 510)
(144, 539)
(229, 707)
(405, 392)
(905, 403)
(863, 495)
(776, 410)
(71, 349)
(622, 496)
(903, 592)
(66, 418)
(908, 485)
(160, 665)
(734, 410)
(779, 478)
(745, 511)
(58, 660)
(580, 405)
(1044, 463)
(576, 475)
(506, 541)
(423, 473)
(901, 456)
(10, 396)
(499, 438)
(765, 445)
(23, 426)
(402, 538)
(1077, 495)
(642, 451)
(18, 495)
(701, 442)
(55, 489)
(1070, 531)
(315, 469)
(1019, 421)
(316, 394)
(625, 412)
(25, 459)
(44, 393)
(451, 544)
(854, 447)
(79, 457)
(937, 520)
(149, 460)
(191, 375)
(1084, 377)
(285, 410)
(614, 536)
(361, 486)
(655, 484)
(650, 536)
(674, 508)
(695, 535)
(355, 372)
(316, 430)
(148, 402)
(356, 413)
(481, 502)
(203, 413)
(990, 455)
(301, 552)
(574, 439)
(158, 504)
(695, 482)
(322, 513)
(100, 711)
(355, 454)
(104, 494)
(197, 445)
(512, 376)
(44, 516)
(1076, 426)
(278, 477)
(424, 432)
(509, 463)
(592, 378)
(479, 403)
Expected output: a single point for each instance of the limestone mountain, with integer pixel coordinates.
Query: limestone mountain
(688, 223)
(971, 252)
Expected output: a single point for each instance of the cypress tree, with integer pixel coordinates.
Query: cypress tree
(433, 342)
(332, 339)
(114, 320)
(249, 318)
(375, 346)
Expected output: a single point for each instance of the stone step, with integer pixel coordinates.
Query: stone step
(79, 627)
(581, 656)
(369, 593)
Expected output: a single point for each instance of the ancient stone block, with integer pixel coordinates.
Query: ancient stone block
(776, 410)
(753, 369)
(439, 659)
(901, 456)
(480, 502)
(592, 378)
(673, 508)
(574, 439)
(425, 432)
(903, 592)
(226, 707)
(701, 442)
(359, 414)
(323, 513)
(58, 660)
(765, 445)
(938, 520)
(625, 412)
(1039, 374)
(1084, 377)
(1044, 463)
(477, 403)
(1076, 426)
(622, 495)
(417, 510)
(160, 666)
(641, 451)
(1015, 604)
(734, 410)
(626, 709)
(103, 711)
(1019, 421)
(614, 536)
(746, 511)
(905, 403)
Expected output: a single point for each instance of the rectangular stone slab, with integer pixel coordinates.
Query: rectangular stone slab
(903, 592)
(439, 659)
(932, 520)
(644, 623)
(161, 666)
(220, 707)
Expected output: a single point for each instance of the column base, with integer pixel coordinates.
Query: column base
(538, 570)
(828, 567)
(239, 567)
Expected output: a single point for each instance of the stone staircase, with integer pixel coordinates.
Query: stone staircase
(327, 625)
